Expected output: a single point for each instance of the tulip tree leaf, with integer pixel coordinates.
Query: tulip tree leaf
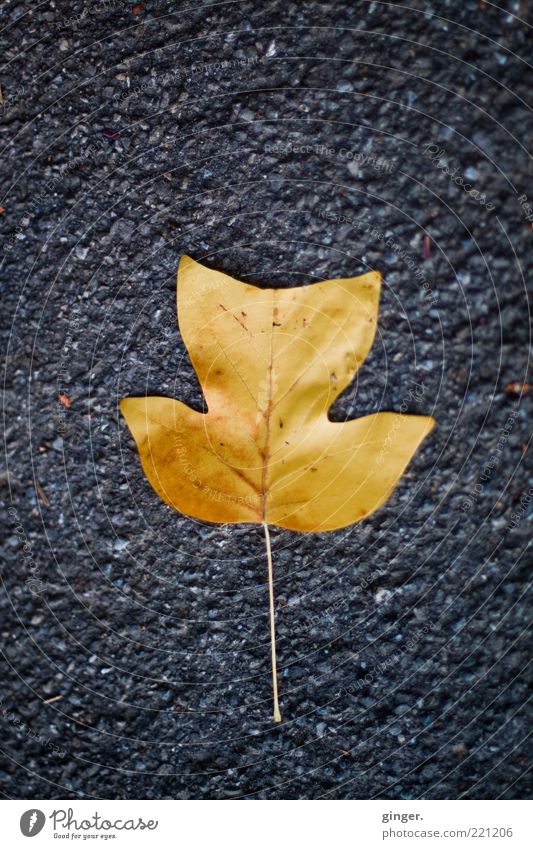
(270, 363)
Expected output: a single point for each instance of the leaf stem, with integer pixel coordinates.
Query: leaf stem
(277, 714)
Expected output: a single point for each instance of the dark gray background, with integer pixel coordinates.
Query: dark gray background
(401, 640)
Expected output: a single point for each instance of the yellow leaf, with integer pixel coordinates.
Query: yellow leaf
(271, 362)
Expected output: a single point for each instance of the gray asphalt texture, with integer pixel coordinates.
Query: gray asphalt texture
(283, 143)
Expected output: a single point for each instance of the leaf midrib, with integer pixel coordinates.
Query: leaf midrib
(268, 415)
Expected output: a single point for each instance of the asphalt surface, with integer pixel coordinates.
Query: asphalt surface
(282, 143)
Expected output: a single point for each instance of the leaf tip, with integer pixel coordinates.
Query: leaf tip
(124, 404)
(368, 283)
(129, 409)
(185, 264)
(373, 277)
(430, 423)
